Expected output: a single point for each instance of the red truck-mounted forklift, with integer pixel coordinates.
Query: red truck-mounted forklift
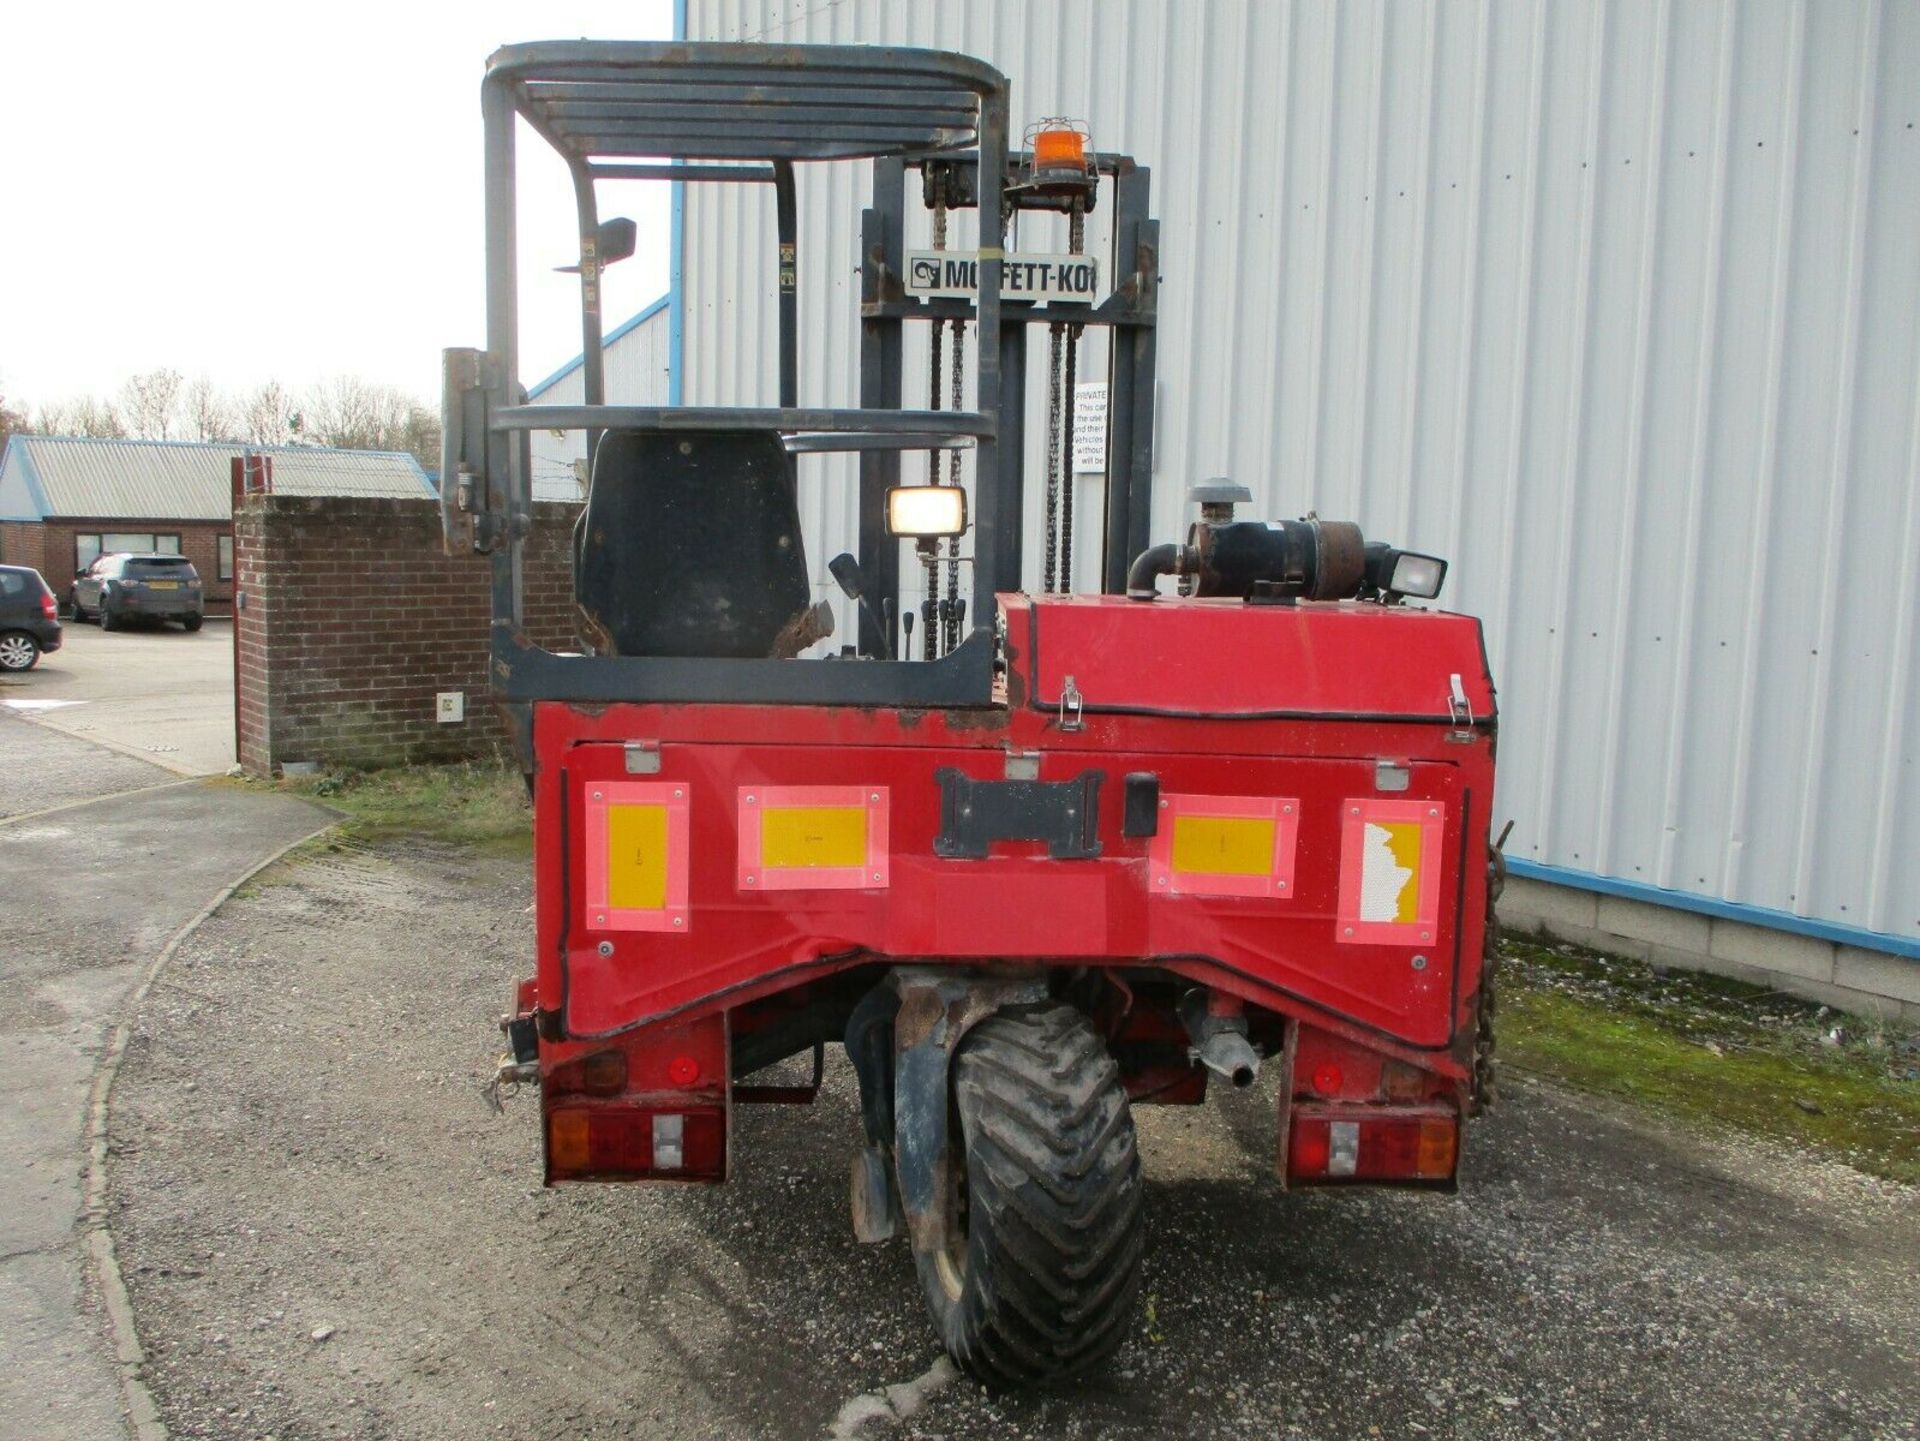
(1059, 855)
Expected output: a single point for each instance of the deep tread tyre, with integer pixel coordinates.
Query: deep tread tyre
(1039, 1276)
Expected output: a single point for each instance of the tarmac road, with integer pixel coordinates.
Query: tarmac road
(326, 1233)
(89, 894)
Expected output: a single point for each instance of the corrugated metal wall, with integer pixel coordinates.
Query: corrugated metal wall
(1615, 304)
(637, 356)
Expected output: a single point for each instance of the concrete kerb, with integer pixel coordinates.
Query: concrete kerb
(142, 1414)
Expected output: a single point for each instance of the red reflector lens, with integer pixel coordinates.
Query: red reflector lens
(616, 1143)
(1420, 1147)
(1328, 1079)
(1307, 1151)
(683, 1070)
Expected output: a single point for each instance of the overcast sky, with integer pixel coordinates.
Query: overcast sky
(254, 190)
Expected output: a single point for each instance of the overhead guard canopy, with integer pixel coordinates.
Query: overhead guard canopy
(594, 100)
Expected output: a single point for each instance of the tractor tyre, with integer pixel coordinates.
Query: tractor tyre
(1038, 1274)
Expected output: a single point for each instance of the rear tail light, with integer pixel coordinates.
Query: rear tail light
(1326, 1143)
(49, 607)
(626, 1143)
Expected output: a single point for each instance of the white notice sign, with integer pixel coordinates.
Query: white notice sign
(1042, 278)
(1090, 428)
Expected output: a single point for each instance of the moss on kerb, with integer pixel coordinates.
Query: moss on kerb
(1718, 1051)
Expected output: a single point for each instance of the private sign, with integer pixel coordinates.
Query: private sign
(1042, 278)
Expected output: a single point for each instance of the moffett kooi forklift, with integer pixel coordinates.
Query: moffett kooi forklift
(1032, 858)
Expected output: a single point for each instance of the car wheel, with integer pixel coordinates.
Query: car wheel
(192, 622)
(18, 651)
(74, 608)
(108, 620)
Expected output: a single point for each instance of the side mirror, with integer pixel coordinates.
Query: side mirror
(613, 240)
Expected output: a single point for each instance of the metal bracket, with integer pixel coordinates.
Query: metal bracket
(937, 1009)
(976, 813)
(1071, 704)
(1458, 707)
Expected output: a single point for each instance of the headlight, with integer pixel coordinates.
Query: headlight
(924, 511)
(1417, 575)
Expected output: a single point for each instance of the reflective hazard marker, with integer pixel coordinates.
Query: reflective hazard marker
(813, 838)
(636, 845)
(1390, 857)
(1224, 846)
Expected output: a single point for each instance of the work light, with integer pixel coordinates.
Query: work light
(1417, 575)
(924, 511)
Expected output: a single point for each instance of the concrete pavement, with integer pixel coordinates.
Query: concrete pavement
(93, 892)
(160, 695)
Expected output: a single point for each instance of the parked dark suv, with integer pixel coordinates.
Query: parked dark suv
(29, 618)
(125, 586)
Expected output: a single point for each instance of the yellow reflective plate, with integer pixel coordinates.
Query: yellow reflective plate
(163, 585)
(1223, 845)
(808, 836)
(637, 857)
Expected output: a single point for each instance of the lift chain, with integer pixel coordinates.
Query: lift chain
(950, 627)
(930, 633)
(939, 330)
(1484, 1090)
(1076, 244)
(1050, 576)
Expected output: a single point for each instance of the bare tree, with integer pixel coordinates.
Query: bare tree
(12, 421)
(356, 414)
(267, 415)
(207, 414)
(148, 402)
(89, 415)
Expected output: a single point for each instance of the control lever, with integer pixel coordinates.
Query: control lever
(852, 581)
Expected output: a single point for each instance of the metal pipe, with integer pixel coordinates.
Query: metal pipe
(787, 228)
(593, 360)
(1229, 1056)
(1151, 564)
(1218, 1031)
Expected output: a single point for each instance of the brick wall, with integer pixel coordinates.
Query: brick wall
(47, 546)
(351, 620)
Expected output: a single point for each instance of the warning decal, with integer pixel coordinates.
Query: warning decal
(1390, 853)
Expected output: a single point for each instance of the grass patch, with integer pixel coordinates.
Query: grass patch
(1716, 1050)
(475, 806)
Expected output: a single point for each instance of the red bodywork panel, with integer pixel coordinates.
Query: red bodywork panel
(1276, 705)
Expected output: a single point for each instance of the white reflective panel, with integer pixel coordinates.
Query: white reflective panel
(669, 1142)
(1343, 1148)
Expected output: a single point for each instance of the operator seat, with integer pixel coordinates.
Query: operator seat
(690, 546)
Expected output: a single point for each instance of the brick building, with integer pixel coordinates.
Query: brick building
(66, 499)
